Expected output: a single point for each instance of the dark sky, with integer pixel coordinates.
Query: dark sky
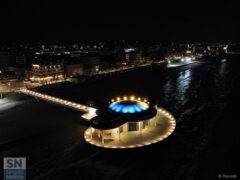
(177, 21)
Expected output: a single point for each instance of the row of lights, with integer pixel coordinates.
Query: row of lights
(131, 98)
(116, 70)
(90, 112)
(172, 127)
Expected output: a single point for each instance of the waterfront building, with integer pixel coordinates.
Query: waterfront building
(74, 69)
(129, 121)
(133, 57)
(45, 73)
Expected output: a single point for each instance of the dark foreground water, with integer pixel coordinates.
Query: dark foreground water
(204, 145)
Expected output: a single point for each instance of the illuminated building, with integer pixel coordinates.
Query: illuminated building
(44, 73)
(129, 121)
(123, 122)
(74, 69)
(85, 64)
(127, 57)
(133, 57)
(7, 60)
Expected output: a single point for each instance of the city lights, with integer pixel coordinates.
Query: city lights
(110, 90)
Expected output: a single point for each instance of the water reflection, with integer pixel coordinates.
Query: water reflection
(175, 89)
(220, 79)
(222, 69)
(167, 87)
(183, 81)
(182, 84)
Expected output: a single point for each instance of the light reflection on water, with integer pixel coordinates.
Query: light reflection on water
(175, 90)
(222, 69)
(220, 79)
(183, 82)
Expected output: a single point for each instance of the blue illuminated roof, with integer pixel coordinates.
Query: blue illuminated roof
(127, 108)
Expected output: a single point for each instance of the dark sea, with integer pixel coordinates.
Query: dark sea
(202, 96)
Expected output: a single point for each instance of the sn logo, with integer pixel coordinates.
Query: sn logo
(14, 163)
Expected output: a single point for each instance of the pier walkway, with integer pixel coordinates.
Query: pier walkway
(90, 112)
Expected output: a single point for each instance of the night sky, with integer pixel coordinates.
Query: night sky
(185, 21)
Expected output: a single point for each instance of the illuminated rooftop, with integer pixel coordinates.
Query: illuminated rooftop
(129, 104)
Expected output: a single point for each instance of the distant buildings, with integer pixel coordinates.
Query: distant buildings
(44, 73)
(83, 65)
(7, 60)
(74, 69)
(233, 49)
(13, 63)
(134, 58)
(94, 57)
(51, 68)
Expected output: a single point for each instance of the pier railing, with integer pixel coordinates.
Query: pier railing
(90, 112)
